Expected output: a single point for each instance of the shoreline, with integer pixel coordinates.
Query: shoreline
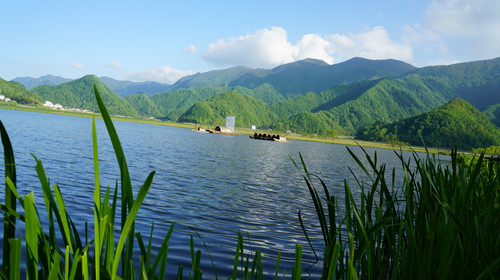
(341, 140)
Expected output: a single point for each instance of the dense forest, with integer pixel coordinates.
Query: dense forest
(308, 96)
(79, 94)
(456, 124)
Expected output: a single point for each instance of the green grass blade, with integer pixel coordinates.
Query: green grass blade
(208, 251)
(130, 220)
(306, 235)
(32, 229)
(15, 258)
(277, 266)
(98, 222)
(297, 265)
(161, 258)
(74, 265)
(9, 227)
(85, 266)
(66, 263)
(333, 261)
(64, 218)
(127, 199)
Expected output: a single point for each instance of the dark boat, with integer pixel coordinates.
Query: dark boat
(269, 137)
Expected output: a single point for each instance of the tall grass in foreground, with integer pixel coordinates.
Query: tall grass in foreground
(444, 224)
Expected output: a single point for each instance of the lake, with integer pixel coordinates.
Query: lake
(213, 185)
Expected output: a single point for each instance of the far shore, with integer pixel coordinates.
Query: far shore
(341, 140)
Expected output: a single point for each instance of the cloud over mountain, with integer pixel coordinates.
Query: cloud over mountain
(267, 48)
(162, 74)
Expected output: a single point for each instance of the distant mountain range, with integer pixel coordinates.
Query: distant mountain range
(308, 96)
(122, 88)
(297, 78)
(31, 83)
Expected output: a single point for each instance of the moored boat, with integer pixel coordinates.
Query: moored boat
(269, 137)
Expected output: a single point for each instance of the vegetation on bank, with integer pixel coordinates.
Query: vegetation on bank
(439, 224)
(455, 124)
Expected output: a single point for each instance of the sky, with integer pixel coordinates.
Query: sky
(163, 41)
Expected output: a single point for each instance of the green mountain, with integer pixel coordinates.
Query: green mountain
(349, 108)
(493, 114)
(312, 75)
(477, 82)
(247, 110)
(455, 124)
(264, 92)
(315, 102)
(297, 78)
(31, 83)
(79, 94)
(172, 104)
(216, 78)
(17, 92)
(143, 105)
(124, 88)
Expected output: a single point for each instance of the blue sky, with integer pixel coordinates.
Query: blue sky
(165, 40)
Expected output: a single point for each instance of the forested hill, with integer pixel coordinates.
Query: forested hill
(247, 110)
(79, 94)
(297, 78)
(17, 92)
(455, 124)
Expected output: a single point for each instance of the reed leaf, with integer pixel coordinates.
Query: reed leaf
(130, 220)
(32, 228)
(64, 218)
(297, 264)
(15, 258)
(99, 221)
(9, 222)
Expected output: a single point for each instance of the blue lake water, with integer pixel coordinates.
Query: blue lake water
(213, 185)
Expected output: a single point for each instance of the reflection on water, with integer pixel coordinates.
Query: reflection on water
(213, 185)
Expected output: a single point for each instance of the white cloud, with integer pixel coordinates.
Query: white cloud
(415, 33)
(190, 49)
(473, 25)
(373, 43)
(114, 64)
(162, 74)
(314, 46)
(78, 65)
(264, 48)
(270, 47)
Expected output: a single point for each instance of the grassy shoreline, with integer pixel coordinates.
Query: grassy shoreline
(341, 140)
